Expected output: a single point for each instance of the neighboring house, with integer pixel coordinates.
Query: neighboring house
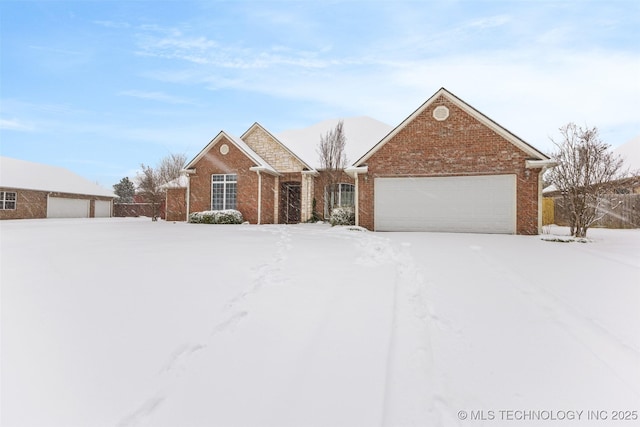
(447, 167)
(34, 190)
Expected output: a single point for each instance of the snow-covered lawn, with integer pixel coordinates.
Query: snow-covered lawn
(129, 322)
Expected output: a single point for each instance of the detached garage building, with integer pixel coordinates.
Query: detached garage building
(448, 167)
(33, 190)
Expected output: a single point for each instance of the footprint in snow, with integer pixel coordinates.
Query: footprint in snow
(181, 353)
(230, 323)
(146, 409)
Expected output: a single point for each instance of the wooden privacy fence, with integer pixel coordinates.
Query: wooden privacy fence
(614, 211)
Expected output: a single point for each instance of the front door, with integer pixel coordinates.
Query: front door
(290, 202)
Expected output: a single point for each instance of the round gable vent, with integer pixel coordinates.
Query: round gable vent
(441, 113)
(224, 149)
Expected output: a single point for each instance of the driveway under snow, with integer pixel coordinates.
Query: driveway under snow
(137, 323)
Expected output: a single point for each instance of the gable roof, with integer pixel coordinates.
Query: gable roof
(506, 134)
(21, 174)
(260, 163)
(361, 134)
(257, 125)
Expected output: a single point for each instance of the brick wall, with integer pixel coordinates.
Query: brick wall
(29, 204)
(234, 162)
(176, 204)
(459, 145)
(321, 181)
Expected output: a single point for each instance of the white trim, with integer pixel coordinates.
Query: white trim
(4, 200)
(224, 183)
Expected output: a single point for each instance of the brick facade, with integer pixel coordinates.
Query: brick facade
(321, 181)
(176, 204)
(30, 204)
(459, 145)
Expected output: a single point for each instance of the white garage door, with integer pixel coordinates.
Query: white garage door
(102, 209)
(59, 207)
(472, 204)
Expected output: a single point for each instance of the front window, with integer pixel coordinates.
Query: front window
(7, 200)
(339, 195)
(224, 191)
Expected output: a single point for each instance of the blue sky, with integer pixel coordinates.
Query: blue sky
(99, 87)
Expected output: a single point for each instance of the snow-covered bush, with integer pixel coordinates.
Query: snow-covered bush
(343, 216)
(228, 216)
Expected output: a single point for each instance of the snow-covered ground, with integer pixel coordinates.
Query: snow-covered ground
(129, 322)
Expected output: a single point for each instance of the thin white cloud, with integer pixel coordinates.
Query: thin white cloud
(113, 24)
(156, 96)
(15, 125)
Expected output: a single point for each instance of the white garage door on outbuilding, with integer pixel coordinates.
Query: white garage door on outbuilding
(60, 207)
(102, 209)
(471, 204)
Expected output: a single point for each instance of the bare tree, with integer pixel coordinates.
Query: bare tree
(586, 171)
(170, 167)
(152, 182)
(333, 160)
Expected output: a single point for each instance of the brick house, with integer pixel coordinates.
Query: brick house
(447, 167)
(33, 190)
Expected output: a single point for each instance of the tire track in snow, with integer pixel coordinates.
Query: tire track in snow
(412, 391)
(267, 274)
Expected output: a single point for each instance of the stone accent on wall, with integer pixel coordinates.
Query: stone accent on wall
(267, 147)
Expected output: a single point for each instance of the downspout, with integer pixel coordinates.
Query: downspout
(357, 204)
(188, 197)
(355, 171)
(188, 173)
(543, 165)
(259, 197)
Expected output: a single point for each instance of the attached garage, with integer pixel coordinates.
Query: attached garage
(470, 204)
(60, 207)
(447, 167)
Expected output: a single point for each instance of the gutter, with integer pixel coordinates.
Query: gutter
(188, 173)
(354, 171)
(259, 169)
(544, 164)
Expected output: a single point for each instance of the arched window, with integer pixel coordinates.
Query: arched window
(338, 195)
